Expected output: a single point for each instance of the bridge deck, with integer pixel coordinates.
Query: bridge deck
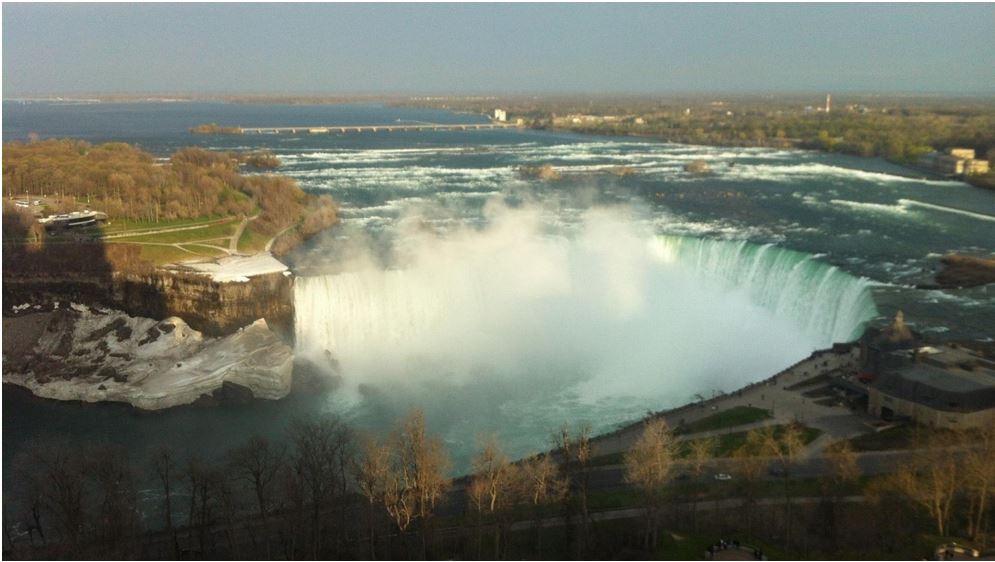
(331, 129)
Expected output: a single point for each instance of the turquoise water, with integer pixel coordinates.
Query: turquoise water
(772, 242)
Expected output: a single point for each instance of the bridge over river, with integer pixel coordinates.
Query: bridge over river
(338, 129)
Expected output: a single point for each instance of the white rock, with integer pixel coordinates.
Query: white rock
(175, 367)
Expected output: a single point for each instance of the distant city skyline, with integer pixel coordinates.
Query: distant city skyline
(425, 49)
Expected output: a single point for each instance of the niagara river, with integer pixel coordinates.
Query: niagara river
(501, 302)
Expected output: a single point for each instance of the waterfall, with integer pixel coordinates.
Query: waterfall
(826, 303)
(564, 299)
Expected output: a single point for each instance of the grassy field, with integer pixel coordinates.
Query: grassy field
(740, 415)
(206, 232)
(122, 225)
(252, 241)
(726, 445)
(170, 254)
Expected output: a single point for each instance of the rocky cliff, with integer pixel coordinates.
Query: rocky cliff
(212, 307)
(209, 306)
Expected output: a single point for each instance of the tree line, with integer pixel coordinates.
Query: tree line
(328, 491)
(128, 183)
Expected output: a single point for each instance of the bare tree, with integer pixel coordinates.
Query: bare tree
(649, 466)
(257, 463)
(544, 486)
(321, 446)
(843, 470)
(372, 470)
(784, 445)
(202, 482)
(422, 464)
(932, 480)
(64, 472)
(164, 465)
(117, 500)
(979, 479)
(749, 468)
(700, 451)
(575, 453)
(502, 484)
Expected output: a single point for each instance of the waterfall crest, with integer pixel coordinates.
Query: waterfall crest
(702, 307)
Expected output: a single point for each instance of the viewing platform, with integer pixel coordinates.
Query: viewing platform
(390, 128)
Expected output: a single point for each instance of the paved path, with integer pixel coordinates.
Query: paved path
(709, 505)
(269, 245)
(233, 243)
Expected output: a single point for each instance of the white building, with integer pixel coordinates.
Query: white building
(500, 115)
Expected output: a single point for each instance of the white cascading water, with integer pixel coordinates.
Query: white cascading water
(608, 312)
(829, 305)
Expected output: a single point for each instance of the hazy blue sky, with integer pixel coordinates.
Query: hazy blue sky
(542, 48)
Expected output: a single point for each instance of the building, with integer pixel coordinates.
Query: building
(955, 162)
(76, 219)
(500, 115)
(944, 386)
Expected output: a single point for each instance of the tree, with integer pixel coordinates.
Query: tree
(117, 501)
(979, 479)
(843, 470)
(421, 464)
(575, 454)
(932, 480)
(700, 451)
(543, 485)
(784, 445)
(372, 470)
(164, 466)
(501, 484)
(321, 453)
(257, 463)
(749, 468)
(649, 467)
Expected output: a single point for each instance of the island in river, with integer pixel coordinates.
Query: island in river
(176, 298)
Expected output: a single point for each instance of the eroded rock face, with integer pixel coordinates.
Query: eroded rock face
(96, 355)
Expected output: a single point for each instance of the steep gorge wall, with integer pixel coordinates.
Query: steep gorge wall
(209, 306)
(214, 308)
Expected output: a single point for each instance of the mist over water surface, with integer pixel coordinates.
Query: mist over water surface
(599, 324)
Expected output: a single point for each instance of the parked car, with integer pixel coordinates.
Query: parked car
(777, 470)
(723, 476)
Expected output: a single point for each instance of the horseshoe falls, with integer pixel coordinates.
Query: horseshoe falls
(608, 322)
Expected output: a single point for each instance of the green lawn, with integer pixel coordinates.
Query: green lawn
(726, 445)
(170, 254)
(901, 437)
(252, 241)
(209, 232)
(729, 442)
(740, 415)
(117, 226)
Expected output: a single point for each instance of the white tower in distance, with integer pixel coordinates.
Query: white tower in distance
(829, 102)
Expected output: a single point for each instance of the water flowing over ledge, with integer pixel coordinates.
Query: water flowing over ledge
(828, 304)
(689, 307)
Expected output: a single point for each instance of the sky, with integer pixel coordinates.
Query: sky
(51, 49)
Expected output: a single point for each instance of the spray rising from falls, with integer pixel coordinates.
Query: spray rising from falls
(608, 312)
